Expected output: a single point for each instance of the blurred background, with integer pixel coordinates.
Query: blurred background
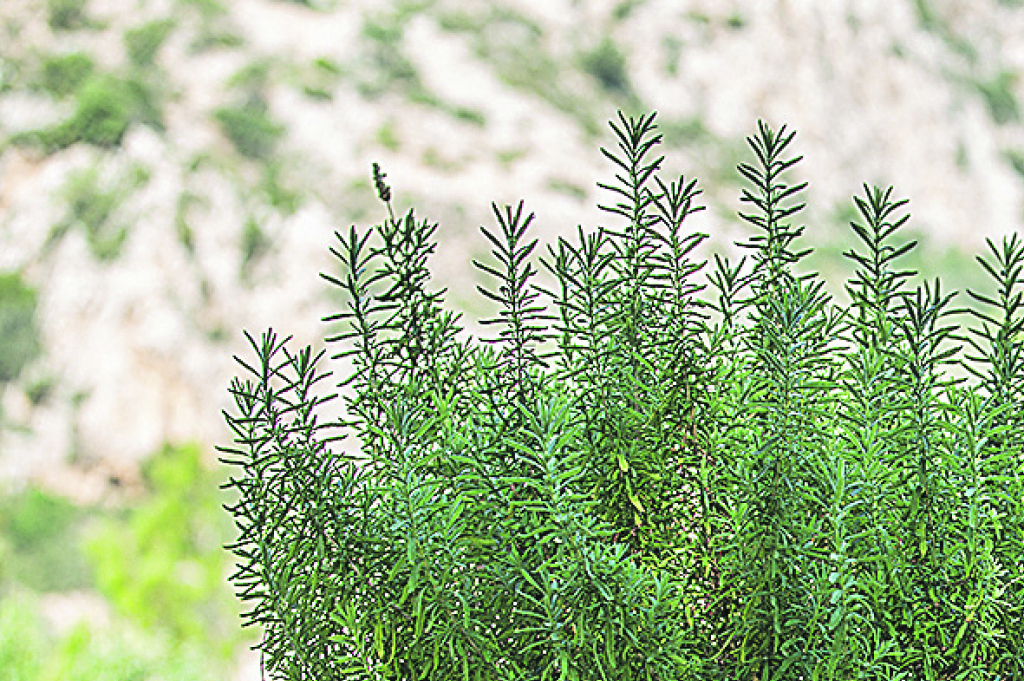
(172, 172)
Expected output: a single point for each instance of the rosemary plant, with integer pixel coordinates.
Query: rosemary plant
(658, 469)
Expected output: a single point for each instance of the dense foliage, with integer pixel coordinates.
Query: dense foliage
(661, 468)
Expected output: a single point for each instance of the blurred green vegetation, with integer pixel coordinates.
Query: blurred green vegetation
(42, 538)
(387, 135)
(11, 73)
(385, 68)
(254, 246)
(319, 78)
(279, 193)
(607, 65)
(18, 328)
(143, 43)
(28, 652)
(92, 204)
(247, 122)
(999, 98)
(514, 46)
(182, 222)
(736, 21)
(158, 561)
(625, 8)
(212, 26)
(931, 17)
(106, 105)
(1015, 157)
(467, 115)
(250, 128)
(253, 79)
(105, 110)
(570, 189)
(63, 74)
(39, 389)
(67, 15)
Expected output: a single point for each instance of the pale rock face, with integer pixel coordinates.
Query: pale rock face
(140, 347)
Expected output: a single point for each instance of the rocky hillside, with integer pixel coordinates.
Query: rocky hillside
(171, 171)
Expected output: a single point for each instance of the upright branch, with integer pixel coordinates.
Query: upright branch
(523, 322)
(773, 244)
(633, 244)
(999, 342)
(877, 282)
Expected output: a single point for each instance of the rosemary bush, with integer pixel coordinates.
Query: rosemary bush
(662, 468)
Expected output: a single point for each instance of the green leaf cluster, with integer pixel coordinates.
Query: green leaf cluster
(658, 467)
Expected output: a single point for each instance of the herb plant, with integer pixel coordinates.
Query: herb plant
(658, 468)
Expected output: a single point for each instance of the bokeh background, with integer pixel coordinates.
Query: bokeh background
(172, 172)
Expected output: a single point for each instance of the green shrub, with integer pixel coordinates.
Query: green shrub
(34, 518)
(106, 106)
(92, 205)
(276, 189)
(182, 224)
(999, 97)
(18, 328)
(66, 15)
(39, 390)
(472, 116)
(250, 128)
(254, 246)
(388, 68)
(64, 74)
(213, 28)
(607, 65)
(327, 66)
(736, 21)
(1015, 157)
(515, 47)
(103, 115)
(216, 37)
(143, 43)
(11, 73)
(656, 468)
(206, 9)
(320, 77)
(247, 122)
(252, 79)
